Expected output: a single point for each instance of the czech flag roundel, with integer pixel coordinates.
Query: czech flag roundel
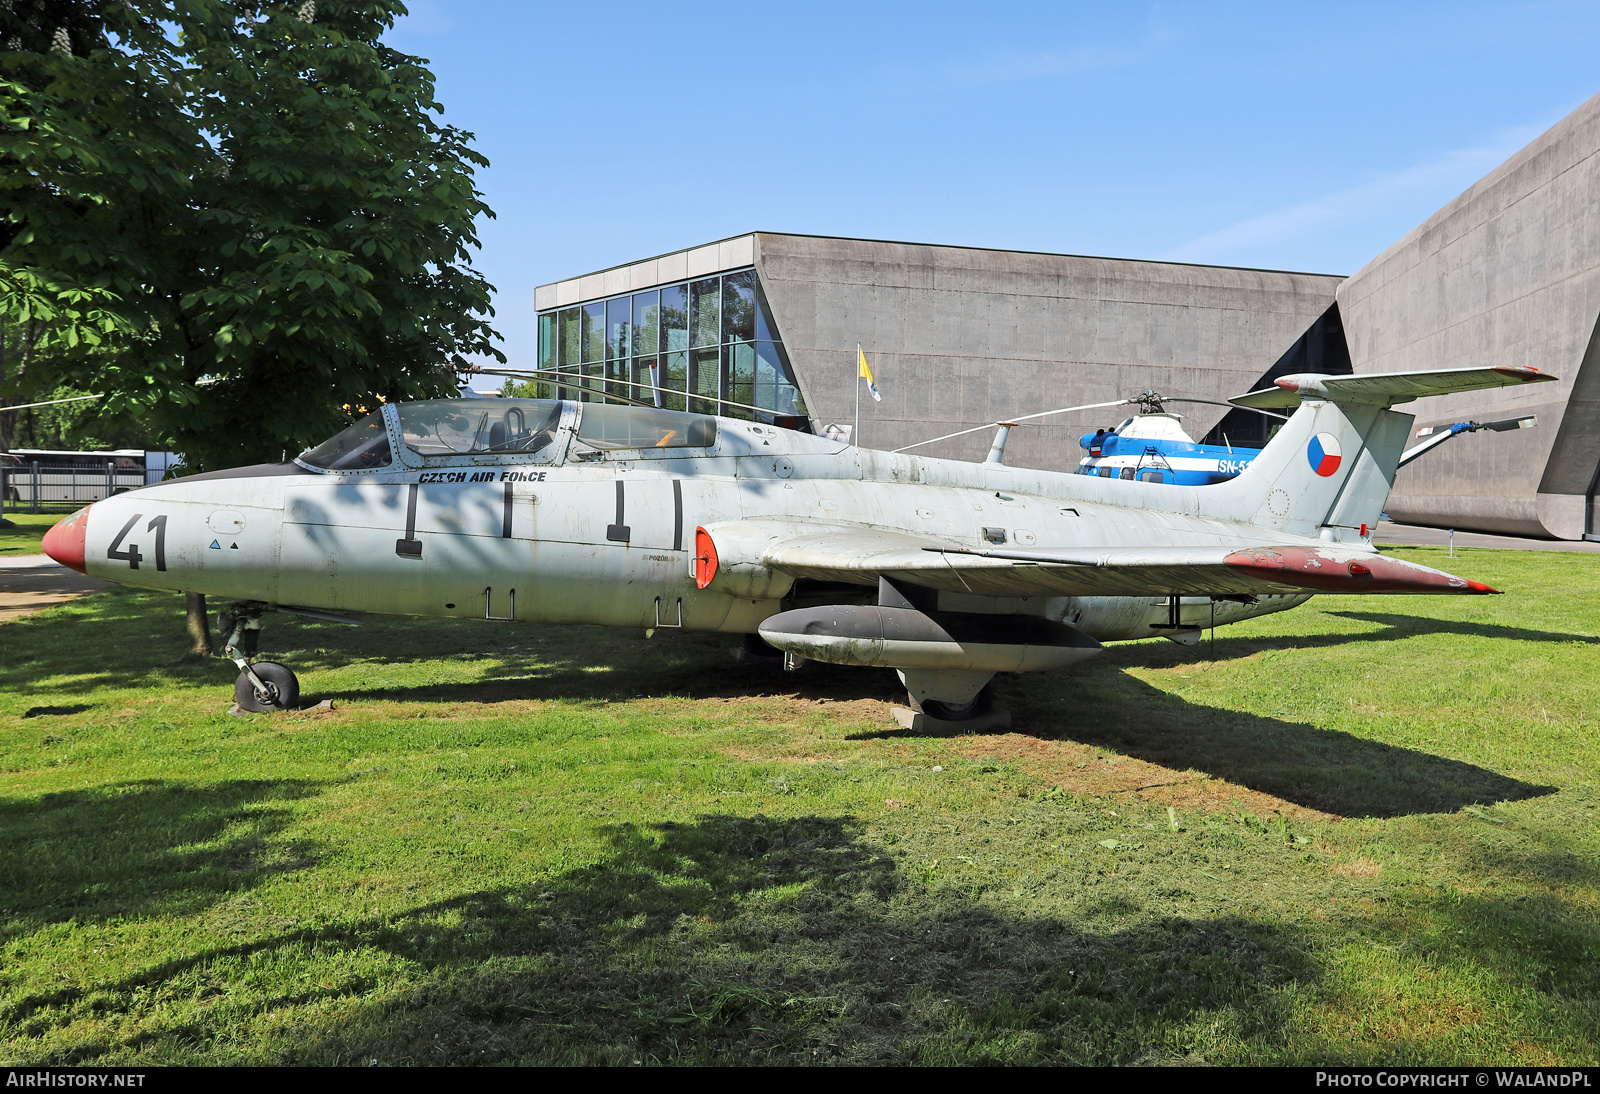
(1324, 454)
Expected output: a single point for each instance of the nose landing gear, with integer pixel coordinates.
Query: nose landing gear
(263, 685)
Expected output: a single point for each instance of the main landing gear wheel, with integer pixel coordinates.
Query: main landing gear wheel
(280, 690)
(958, 712)
(754, 648)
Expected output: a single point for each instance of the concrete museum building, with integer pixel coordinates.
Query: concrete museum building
(1506, 274)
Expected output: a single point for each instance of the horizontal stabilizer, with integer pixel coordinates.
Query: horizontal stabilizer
(1385, 389)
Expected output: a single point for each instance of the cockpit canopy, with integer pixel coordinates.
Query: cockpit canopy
(449, 428)
(363, 446)
(605, 426)
(478, 427)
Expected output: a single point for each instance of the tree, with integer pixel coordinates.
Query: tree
(245, 210)
(235, 219)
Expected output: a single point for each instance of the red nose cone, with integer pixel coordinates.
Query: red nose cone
(64, 541)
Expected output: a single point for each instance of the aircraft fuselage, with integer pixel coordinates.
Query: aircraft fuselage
(578, 532)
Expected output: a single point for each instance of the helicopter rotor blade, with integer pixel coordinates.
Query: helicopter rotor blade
(1014, 421)
(1230, 406)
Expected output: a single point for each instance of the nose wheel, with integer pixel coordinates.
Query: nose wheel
(263, 685)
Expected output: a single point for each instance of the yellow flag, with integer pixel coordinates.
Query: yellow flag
(865, 373)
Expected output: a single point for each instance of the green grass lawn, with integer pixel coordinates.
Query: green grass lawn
(1365, 832)
(27, 531)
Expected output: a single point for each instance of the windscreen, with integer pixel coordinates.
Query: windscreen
(478, 427)
(361, 447)
(604, 426)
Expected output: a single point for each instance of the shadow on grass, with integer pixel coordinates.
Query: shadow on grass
(534, 661)
(1323, 769)
(1396, 627)
(753, 940)
(1548, 943)
(140, 849)
(714, 676)
(1553, 942)
(1406, 626)
(118, 638)
(53, 654)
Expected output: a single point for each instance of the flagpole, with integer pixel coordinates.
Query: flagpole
(855, 437)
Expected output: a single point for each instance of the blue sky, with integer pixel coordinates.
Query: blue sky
(1293, 136)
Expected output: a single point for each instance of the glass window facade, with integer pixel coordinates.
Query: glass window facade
(709, 345)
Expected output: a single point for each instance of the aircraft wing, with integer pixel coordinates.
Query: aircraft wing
(861, 556)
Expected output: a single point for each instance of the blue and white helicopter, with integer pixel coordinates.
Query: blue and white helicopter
(1152, 446)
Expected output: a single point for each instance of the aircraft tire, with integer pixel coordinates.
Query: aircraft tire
(951, 712)
(284, 689)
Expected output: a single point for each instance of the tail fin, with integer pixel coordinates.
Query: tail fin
(1331, 465)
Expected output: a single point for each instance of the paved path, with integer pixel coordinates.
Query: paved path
(29, 583)
(1410, 535)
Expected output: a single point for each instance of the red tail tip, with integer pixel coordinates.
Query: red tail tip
(64, 541)
(1522, 372)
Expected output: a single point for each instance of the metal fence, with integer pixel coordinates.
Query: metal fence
(37, 488)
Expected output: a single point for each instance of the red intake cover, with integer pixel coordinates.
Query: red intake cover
(705, 558)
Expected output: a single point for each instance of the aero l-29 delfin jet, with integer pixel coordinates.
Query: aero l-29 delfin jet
(547, 511)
